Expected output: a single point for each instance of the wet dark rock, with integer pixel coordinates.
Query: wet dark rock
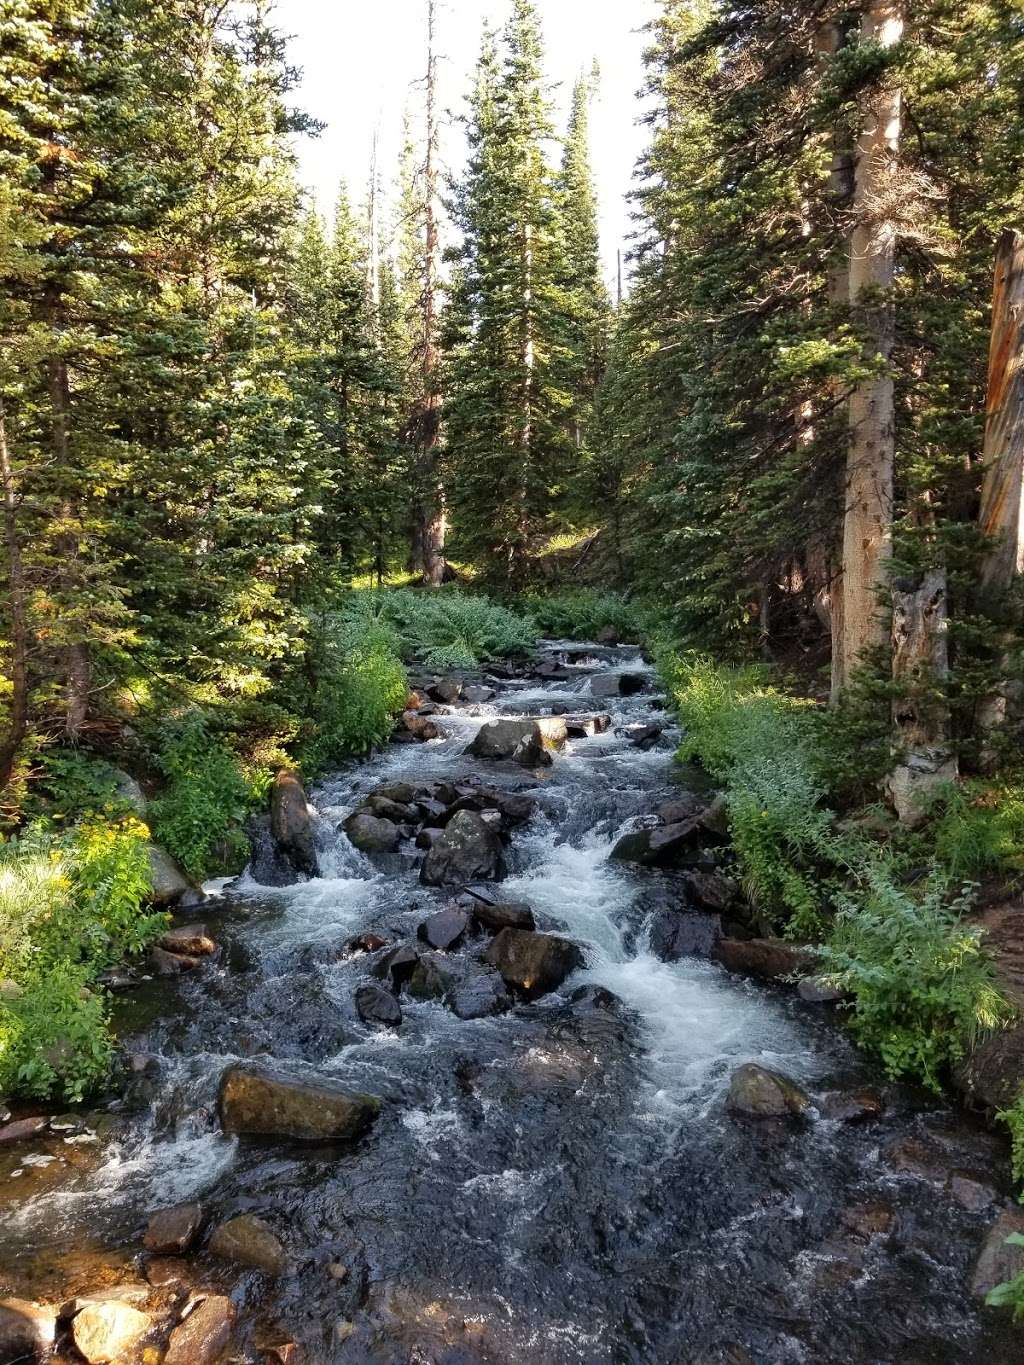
(585, 726)
(617, 684)
(868, 1220)
(660, 846)
(270, 1103)
(445, 930)
(375, 1005)
(432, 978)
(477, 695)
(818, 990)
(972, 1191)
(27, 1331)
(915, 1156)
(402, 792)
(366, 943)
(395, 811)
(710, 890)
(370, 834)
(397, 966)
(644, 737)
(480, 995)
(427, 838)
(192, 940)
(21, 1130)
(991, 1076)
(523, 741)
(515, 809)
(267, 863)
(248, 1240)
(291, 823)
(467, 851)
(172, 1232)
(107, 1333)
(418, 727)
(852, 1106)
(171, 964)
(675, 935)
(533, 963)
(758, 1092)
(203, 1336)
(447, 690)
(996, 1261)
(503, 915)
(770, 959)
(169, 1272)
(680, 808)
(436, 813)
(715, 820)
(595, 998)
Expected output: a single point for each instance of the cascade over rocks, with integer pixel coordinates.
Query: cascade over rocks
(533, 963)
(268, 1103)
(467, 851)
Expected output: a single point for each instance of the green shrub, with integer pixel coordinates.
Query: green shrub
(198, 817)
(71, 903)
(360, 684)
(583, 613)
(1014, 1120)
(922, 987)
(979, 829)
(454, 629)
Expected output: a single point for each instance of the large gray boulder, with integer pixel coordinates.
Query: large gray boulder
(291, 822)
(526, 741)
(533, 963)
(269, 1103)
(371, 834)
(759, 1093)
(169, 883)
(468, 850)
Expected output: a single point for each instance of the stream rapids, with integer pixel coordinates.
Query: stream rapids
(557, 1185)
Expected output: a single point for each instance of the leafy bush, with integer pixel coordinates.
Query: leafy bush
(71, 903)
(583, 613)
(198, 817)
(980, 829)
(360, 684)
(922, 987)
(453, 629)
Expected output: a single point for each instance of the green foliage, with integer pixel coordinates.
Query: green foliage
(583, 613)
(922, 987)
(1011, 1293)
(199, 814)
(454, 629)
(73, 782)
(1013, 1117)
(71, 904)
(360, 683)
(979, 829)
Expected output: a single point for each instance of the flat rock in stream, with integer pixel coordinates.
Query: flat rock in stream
(617, 684)
(248, 1240)
(586, 726)
(479, 996)
(468, 850)
(533, 963)
(445, 930)
(275, 1104)
(173, 1231)
(759, 1093)
(503, 915)
(660, 846)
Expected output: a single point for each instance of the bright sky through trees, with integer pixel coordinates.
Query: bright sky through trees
(360, 61)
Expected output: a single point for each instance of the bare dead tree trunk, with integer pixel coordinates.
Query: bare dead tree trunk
(867, 521)
(1001, 517)
(17, 724)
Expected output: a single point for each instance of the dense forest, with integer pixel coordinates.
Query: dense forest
(256, 463)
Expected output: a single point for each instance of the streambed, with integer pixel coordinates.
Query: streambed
(557, 1184)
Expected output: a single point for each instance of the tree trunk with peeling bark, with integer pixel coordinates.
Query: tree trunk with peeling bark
(17, 721)
(867, 522)
(1001, 517)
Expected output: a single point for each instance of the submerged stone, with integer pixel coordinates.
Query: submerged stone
(757, 1092)
(269, 1103)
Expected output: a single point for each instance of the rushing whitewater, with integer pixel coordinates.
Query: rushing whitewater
(558, 1184)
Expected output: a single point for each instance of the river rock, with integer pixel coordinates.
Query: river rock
(467, 851)
(375, 1005)
(445, 930)
(523, 741)
(644, 737)
(129, 791)
(477, 694)
(617, 684)
(191, 940)
(432, 978)
(291, 823)
(586, 726)
(533, 963)
(996, 1261)
(818, 990)
(427, 838)
(480, 995)
(421, 728)
(447, 690)
(991, 1076)
(503, 915)
(710, 890)
(660, 846)
(27, 1331)
(248, 1240)
(171, 1232)
(370, 834)
(20, 1130)
(757, 1092)
(683, 807)
(402, 792)
(397, 965)
(771, 959)
(171, 964)
(169, 882)
(853, 1106)
(395, 811)
(107, 1333)
(674, 934)
(972, 1191)
(366, 943)
(202, 1337)
(269, 1103)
